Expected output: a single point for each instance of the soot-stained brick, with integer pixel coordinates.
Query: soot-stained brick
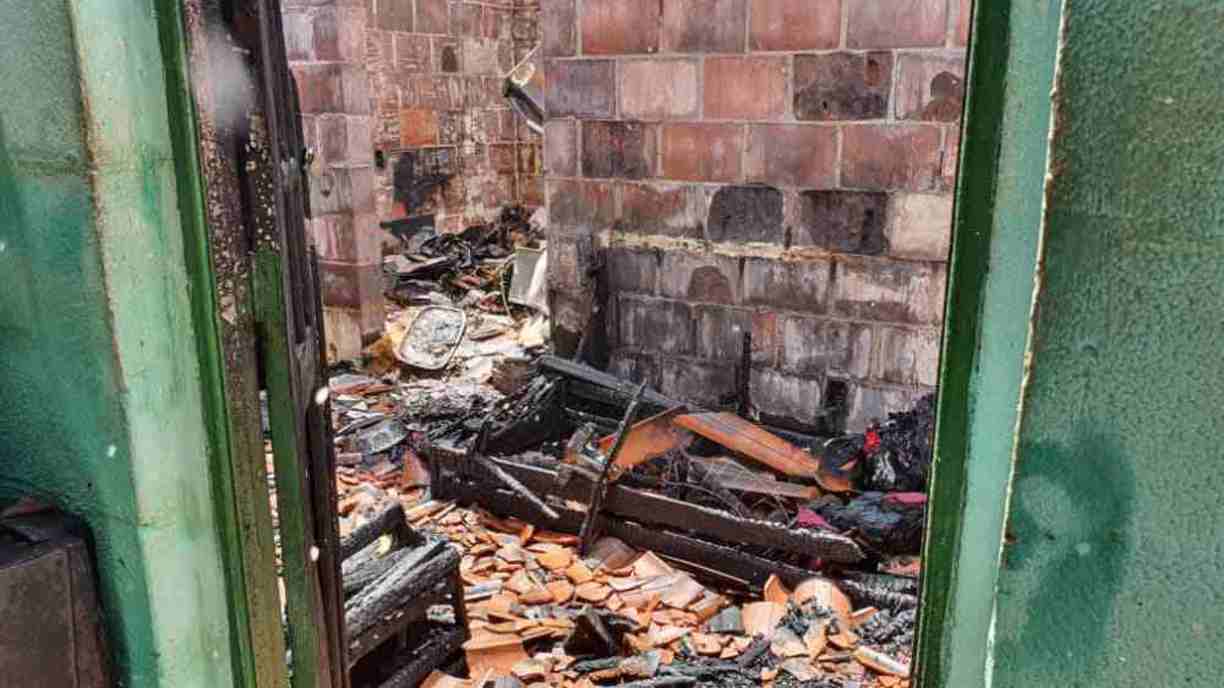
(842, 86)
(618, 149)
(847, 221)
(746, 213)
(708, 283)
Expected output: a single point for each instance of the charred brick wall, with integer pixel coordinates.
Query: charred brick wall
(436, 69)
(779, 167)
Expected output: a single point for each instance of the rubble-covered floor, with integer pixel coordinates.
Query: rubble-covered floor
(538, 613)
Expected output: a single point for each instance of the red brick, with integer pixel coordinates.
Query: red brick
(659, 89)
(558, 28)
(580, 88)
(348, 238)
(467, 19)
(745, 87)
(299, 36)
(446, 55)
(561, 148)
(842, 86)
(702, 152)
(347, 285)
(352, 31)
(433, 92)
(503, 157)
(675, 210)
(432, 16)
(890, 157)
(326, 35)
(795, 24)
(319, 87)
(411, 54)
(792, 155)
(418, 128)
(930, 87)
(951, 158)
(960, 31)
(481, 56)
(580, 207)
(530, 158)
(531, 191)
(617, 27)
(703, 26)
(896, 23)
(394, 16)
(498, 24)
(618, 149)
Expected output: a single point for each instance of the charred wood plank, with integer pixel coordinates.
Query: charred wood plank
(477, 456)
(426, 657)
(732, 561)
(411, 576)
(387, 521)
(599, 490)
(412, 612)
(715, 523)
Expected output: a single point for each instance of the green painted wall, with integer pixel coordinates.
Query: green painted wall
(101, 406)
(1112, 577)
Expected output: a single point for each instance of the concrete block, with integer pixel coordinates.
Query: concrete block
(908, 357)
(703, 384)
(654, 325)
(920, 226)
(632, 270)
(720, 332)
(791, 285)
(816, 347)
(580, 207)
(580, 88)
(561, 148)
(890, 291)
(780, 394)
(558, 28)
(700, 278)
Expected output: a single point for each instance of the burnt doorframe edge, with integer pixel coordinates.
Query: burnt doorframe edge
(991, 273)
(256, 636)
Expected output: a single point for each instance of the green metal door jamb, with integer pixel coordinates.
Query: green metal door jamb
(990, 290)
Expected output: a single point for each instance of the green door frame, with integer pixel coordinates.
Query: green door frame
(992, 269)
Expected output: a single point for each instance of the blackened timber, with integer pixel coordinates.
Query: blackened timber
(389, 520)
(477, 456)
(615, 390)
(413, 611)
(411, 576)
(599, 490)
(715, 523)
(735, 562)
(425, 658)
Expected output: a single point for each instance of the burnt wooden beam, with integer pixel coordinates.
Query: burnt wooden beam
(389, 520)
(732, 561)
(411, 576)
(599, 489)
(413, 611)
(570, 482)
(426, 657)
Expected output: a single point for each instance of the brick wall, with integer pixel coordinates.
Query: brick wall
(325, 42)
(436, 69)
(782, 167)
